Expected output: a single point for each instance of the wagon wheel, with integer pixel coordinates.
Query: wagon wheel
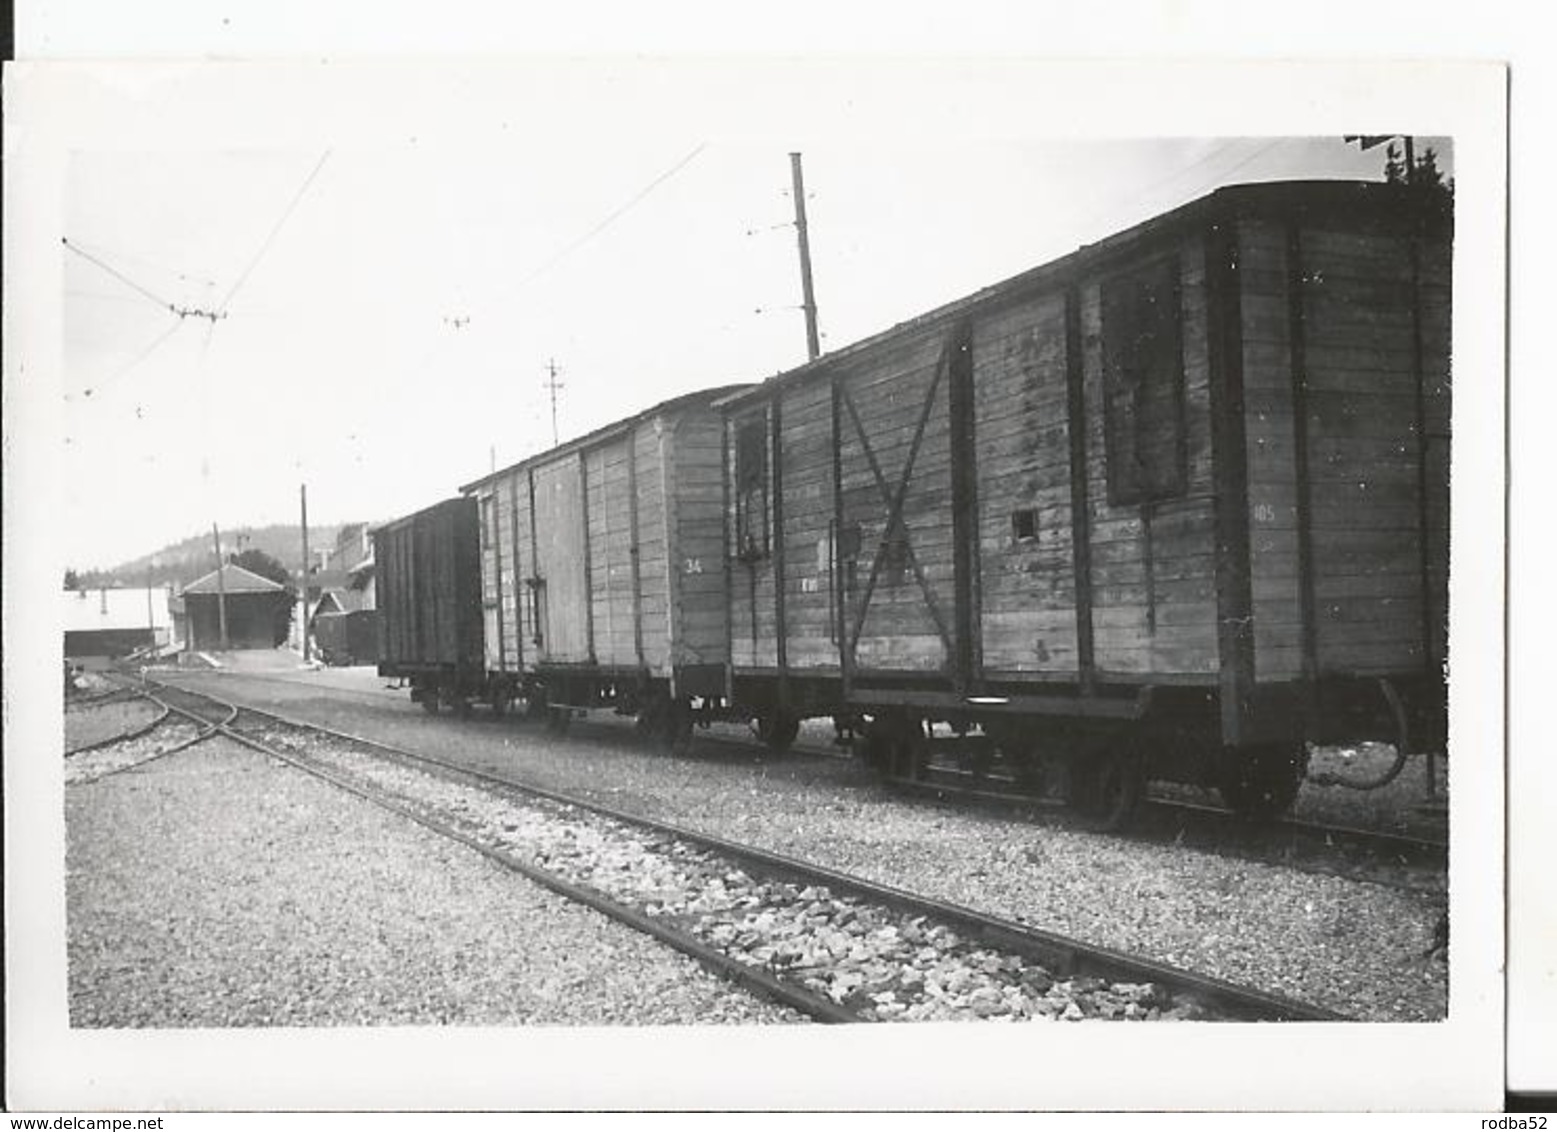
(535, 707)
(675, 728)
(653, 720)
(502, 701)
(650, 720)
(430, 703)
(872, 745)
(1018, 741)
(980, 752)
(1261, 782)
(910, 750)
(778, 730)
(558, 719)
(1107, 789)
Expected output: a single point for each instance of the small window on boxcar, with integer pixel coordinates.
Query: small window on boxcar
(751, 487)
(1024, 524)
(1143, 384)
(488, 522)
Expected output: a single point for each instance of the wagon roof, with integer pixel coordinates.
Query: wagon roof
(685, 400)
(406, 520)
(1353, 202)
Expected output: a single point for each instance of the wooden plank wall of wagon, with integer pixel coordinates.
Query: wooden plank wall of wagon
(560, 560)
(519, 555)
(1023, 442)
(435, 593)
(1160, 620)
(1363, 451)
(446, 614)
(491, 581)
(653, 546)
(610, 553)
(753, 624)
(393, 594)
(698, 627)
(806, 449)
(466, 566)
(1264, 271)
(1435, 285)
(511, 490)
(889, 389)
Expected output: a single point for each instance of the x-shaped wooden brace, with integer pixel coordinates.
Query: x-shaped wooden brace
(894, 502)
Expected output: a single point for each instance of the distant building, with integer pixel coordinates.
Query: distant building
(340, 579)
(105, 624)
(352, 563)
(253, 609)
(179, 615)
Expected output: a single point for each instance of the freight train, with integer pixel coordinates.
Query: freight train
(1171, 507)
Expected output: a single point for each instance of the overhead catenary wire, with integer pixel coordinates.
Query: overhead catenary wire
(157, 268)
(145, 353)
(270, 239)
(632, 202)
(119, 275)
(182, 312)
(558, 257)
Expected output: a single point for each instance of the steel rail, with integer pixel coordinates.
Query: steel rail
(124, 736)
(751, 978)
(206, 730)
(1064, 954)
(1218, 821)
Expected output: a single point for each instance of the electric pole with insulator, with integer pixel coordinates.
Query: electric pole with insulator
(552, 386)
(808, 296)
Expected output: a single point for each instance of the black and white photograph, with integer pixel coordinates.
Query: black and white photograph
(687, 583)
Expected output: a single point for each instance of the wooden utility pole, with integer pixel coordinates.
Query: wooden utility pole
(221, 587)
(813, 340)
(303, 495)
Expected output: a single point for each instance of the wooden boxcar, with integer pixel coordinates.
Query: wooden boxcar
(429, 604)
(1170, 506)
(602, 569)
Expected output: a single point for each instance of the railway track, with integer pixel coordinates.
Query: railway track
(1398, 860)
(1379, 856)
(123, 736)
(175, 728)
(835, 946)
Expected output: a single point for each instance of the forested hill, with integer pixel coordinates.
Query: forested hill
(195, 556)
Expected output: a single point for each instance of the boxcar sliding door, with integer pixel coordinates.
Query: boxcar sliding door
(561, 562)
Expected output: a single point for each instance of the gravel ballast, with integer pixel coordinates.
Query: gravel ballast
(881, 964)
(166, 738)
(1353, 947)
(217, 887)
(97, 723)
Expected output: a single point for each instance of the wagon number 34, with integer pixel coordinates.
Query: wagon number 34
(692, 566)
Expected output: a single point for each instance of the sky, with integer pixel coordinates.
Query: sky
(391, 312)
